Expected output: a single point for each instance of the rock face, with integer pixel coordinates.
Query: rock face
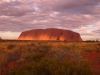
(50, 34)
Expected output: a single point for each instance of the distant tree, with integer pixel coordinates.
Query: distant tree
(97, 40)
(0, 38)
(90, 40)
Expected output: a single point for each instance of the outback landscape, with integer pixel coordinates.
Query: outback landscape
(49, 37)
(27, 56)
(49, 58)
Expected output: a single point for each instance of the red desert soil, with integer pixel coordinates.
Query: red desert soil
(93, 57)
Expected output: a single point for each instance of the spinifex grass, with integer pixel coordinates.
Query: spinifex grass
(68, 56)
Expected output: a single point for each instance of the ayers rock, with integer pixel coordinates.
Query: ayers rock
(50, 34)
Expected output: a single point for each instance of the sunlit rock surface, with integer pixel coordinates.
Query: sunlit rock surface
(50, 34)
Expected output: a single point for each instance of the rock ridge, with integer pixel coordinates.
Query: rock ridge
(50, 34)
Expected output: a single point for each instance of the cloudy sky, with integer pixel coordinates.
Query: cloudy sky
(82, 16)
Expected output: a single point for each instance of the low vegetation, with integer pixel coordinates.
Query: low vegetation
(46, 57)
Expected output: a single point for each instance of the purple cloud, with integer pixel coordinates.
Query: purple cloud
(82, 16)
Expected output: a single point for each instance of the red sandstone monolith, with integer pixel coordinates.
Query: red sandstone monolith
(50, 34)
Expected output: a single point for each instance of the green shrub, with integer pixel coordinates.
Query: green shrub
(98, 49)
(51, 66)
(3, 60)
(37, 56)
(88, 49)
(43, 48)
(11, 46)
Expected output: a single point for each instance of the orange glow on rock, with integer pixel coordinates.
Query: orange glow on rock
(50, 34)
